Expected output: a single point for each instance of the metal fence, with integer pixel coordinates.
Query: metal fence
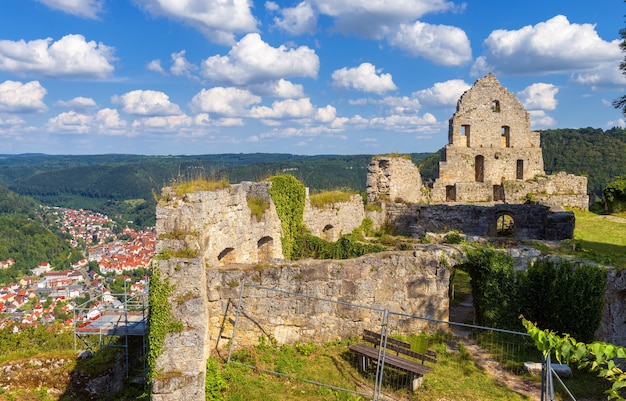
(308, 319)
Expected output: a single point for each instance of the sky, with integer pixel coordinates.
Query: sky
(188, 77)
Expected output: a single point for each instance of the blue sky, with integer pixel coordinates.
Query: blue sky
(161, 77)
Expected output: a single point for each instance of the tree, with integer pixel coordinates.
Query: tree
(620, 103)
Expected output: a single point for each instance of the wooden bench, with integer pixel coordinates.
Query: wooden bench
(367, 354)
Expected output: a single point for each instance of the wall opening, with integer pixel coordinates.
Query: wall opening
(465, 131)
(495, 106)
(498, 193)
(519, 170)
(505, 136)
(450, 193)
(264, 249)
(505, 225)
(328, 232)
(479, 168)
(227, 256)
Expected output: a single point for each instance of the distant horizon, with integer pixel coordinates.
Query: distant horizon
(165, 77)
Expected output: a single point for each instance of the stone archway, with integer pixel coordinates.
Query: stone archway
(505, 225)
(227, 256)
(328, 232)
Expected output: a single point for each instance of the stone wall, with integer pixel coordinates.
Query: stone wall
(394, 179)
(334, 220)
(561, 189)
(220, 225)
(529, 221)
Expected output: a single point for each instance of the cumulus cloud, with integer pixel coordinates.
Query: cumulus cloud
(219, 20)
(163, 123)
(69, 122)
(441, 44)
(80, 8)
(109, 122)
(326, 114)
(289, 108)
(605, 76)
(78, 103)
(147, 103)
(443, 94)
(406, 123)
(363, 78)
(539, 96)
(540, 120)
(297, 20)
(180, 65)
(553, 46)
(227, 101)
(252, 60)
(155, 65)
(18, 97)
(373, 19)
(70, 56)
(616, 123)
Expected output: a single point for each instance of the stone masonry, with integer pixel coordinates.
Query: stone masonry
(393, 179)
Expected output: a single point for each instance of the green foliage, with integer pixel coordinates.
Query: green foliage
(289, 196)
(160, 319)
(559, 295)
(563, 297)
(32, 340)
(492, 281)
(348, 246)
(597, 356)
(367, 227)
(199, 184)
(453, 238)
(257, 206)
(615, 195)
(215, 384)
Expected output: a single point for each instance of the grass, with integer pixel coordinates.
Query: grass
(597, 238)
(258, 206)
(325, 199)
(200, 184)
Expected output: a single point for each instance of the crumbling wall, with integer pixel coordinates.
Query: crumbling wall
(567, 190)
(334, 220)
(394, 179)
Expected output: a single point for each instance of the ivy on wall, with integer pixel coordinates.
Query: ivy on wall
(562, 296)
(160, 319)
(289, 194)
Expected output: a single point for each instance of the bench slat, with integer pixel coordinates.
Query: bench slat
(399, 346)
(391, 360)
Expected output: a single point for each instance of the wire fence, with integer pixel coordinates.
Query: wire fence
(370, 352)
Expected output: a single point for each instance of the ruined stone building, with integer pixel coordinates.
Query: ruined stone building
(492, 155)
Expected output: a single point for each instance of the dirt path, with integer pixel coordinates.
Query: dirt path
(464, 313)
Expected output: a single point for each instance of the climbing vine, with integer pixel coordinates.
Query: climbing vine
(289, 194)
(160, 319)
(596, 357)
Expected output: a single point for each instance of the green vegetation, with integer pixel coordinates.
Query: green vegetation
(258, 206)
(30, 341)
(324, 199)
(289, 195)
(574, 295)
(615, 195)
(348, 246)
(199, 184)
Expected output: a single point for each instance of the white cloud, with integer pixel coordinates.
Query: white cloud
(606, 76)
(227, 101)
(373, 19)
(70, 56)
(108, 122)
(80, 8)
(297, 20)
(553, 46)
(405, 123)
(326, 114)
(442, 44)
(252, 60)
(147, 103)
(219, 20)
(155, 65)
(540, 120)
(18, 97)
(180, 65)
(289, 108)
(539, 96)
(70, 122)
(78, 103)
(616, 123)
(163, 123)
(443, 93)
(363, 78)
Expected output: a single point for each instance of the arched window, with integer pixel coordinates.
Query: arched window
(226, 256)
(505, 225)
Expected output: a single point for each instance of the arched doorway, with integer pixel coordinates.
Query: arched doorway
(264, 249)
(505, 225)
(227, 256)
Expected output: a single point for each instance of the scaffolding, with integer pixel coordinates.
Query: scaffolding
(113, 323)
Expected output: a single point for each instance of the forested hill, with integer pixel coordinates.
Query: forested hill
(123, 186)
(599, 155)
